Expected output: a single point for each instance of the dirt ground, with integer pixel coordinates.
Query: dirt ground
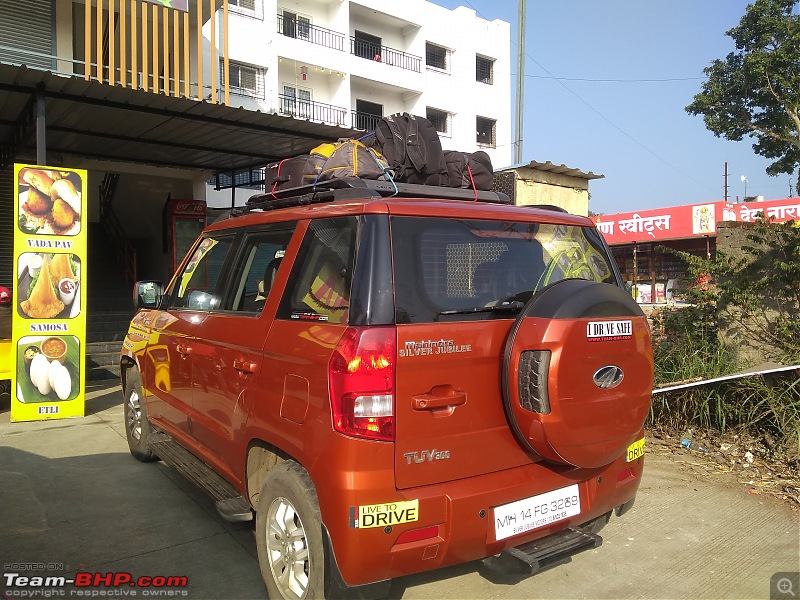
(736, 459)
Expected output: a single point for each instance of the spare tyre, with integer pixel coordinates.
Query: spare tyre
(578, 373)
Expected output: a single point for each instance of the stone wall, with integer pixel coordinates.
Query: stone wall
(749, 337)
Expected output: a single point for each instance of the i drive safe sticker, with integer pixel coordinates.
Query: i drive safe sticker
(381, 515)
(608, 331)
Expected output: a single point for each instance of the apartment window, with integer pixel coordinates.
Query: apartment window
(366, 45)
(296, 101)
(294, 25)
(440, 119)
(245, 80)
(437, 57)
(248, 8)
(367, 115)
(484, 70)
(486, 131)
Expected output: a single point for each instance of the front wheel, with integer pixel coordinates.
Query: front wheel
(289, 534)
(137, 427)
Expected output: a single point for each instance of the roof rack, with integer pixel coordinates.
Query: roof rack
(353, 188)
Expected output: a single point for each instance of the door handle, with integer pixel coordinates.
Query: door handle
(246, 368)
(440, 397)
(184, 351)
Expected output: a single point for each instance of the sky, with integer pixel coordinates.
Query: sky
(591, 101)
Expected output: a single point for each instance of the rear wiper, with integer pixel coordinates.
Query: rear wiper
(505, 306)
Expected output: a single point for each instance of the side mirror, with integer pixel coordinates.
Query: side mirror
(147, 294)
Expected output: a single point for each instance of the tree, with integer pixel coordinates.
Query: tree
(755, 91)
(754, 296)
(762, 286)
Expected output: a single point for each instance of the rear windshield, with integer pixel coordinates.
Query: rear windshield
(451, 269)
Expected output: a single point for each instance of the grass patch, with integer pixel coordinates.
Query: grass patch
(686, 348)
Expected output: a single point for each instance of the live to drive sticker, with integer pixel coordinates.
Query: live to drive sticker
(381, 515)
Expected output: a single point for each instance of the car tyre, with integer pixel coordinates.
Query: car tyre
(137, 426)
(291, 553)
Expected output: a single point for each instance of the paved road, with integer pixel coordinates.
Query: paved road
(71, 495)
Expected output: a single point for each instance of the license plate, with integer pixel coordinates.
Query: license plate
(635, 450)
(537, 511)
(608, 331)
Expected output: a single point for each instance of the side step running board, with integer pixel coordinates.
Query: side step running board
(540, 554)
(230, 504)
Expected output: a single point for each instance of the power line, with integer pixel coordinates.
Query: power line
(618, 128)
(666, 79)
(601, 115)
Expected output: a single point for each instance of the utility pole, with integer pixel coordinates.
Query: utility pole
(520, 81)
(725, 187)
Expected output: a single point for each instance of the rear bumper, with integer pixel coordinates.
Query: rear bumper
(463, 511)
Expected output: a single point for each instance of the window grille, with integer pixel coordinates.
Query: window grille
(437, 57)
(441, 120)
(248, 8)
(486, 131)
(248, 178)
(484, 70)
(245, 80)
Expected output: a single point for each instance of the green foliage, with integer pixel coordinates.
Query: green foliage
(763, 287)
(693, 329)
(755, 91)
(757, 404)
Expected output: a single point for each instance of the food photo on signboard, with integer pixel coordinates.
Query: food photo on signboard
(50, 366)
(49, 202)
(58, 300)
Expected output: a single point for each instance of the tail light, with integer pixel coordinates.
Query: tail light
(361, 376)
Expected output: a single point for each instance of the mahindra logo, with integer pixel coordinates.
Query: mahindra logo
(608, 377)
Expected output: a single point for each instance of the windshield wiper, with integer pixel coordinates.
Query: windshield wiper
(505, 306)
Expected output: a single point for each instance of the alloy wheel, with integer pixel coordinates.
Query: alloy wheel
(287, 547)
(134, 416)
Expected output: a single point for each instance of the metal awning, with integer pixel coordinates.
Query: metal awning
(552, 168)
(90, 120)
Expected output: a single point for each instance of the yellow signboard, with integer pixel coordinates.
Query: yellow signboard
(49, 321)
(384, 515)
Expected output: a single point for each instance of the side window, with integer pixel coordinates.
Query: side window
(256, 268)
(319, 285)
(195, 287)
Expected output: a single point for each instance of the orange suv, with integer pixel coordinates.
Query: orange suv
(392, 379)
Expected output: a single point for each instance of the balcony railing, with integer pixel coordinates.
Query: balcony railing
(313, 111)
(303, 30)
(365, 121)
(384, 54)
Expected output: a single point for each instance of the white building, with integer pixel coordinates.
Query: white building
(350, 62)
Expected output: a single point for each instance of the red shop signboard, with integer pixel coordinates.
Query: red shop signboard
(693, 220)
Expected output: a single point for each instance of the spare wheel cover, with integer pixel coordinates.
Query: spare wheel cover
(596, 385)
